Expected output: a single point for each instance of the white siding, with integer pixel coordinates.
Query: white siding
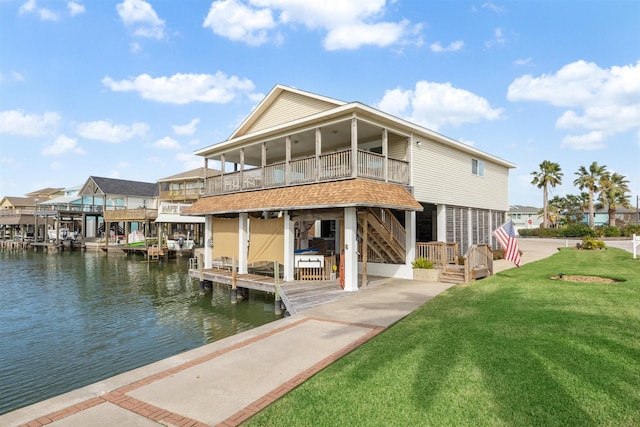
(442, 174)
(287, 107)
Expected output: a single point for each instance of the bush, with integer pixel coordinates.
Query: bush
(422, 263)
(577, 230)
(498, 254)
(590, 244)
(609, 231)
(539, 232)
(631, 229)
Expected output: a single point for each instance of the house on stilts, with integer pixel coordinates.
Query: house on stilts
(326, 187)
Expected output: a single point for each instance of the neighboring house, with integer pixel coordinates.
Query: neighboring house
(46, 193)
(118, 205)
(526, 217)
(360, 177)
(623, 216)
(177, 193)
(16, 216)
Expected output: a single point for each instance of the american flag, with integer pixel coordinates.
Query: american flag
(506, 236)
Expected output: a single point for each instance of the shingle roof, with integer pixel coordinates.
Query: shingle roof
(192, 174)
(126, 188)
(349, 193)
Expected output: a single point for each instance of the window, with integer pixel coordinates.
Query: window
(477, 167)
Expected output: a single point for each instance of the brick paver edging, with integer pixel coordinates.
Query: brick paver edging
(119, 398)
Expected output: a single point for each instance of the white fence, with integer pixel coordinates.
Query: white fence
(635, 243)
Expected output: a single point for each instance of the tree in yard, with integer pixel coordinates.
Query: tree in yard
(549, 174)
(613, 195)
(557, 208)
(590, 179)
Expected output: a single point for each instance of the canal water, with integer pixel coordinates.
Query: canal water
(70, 319)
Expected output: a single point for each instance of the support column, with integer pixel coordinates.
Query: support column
(350, 250)
(354, 147)
(243, 242)
(441, 223)
(208, 241)
(410, 237)
(287, 161)
(385, 153)
(318, 152)
(289, 240)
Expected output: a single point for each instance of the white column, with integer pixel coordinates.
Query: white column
(385, 153)
(410, 236)
(354, 147)
(317, 230)
(350, 250)
(243, 242)
(208, 237)
(469, 229)
(318, 152)
(289, 236)
(441, 220)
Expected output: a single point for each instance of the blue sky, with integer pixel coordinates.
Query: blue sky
(130, 89)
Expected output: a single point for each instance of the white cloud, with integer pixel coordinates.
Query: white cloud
(523, 61)
(167, 143)
(185, 88)
(453, 47)
(188, 129)
(437, 104)
(61, 145)
(238, 22)
(493, 7)
(30, 6)
(107, 131)
(15, 122)
(498, 38)
(591, 141)
(348, 24)
(75, 8)
(189, 161)
(600, 102)
(139, 15)
(13, 76)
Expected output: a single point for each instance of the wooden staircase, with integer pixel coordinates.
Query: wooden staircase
(452, 274)
(384, 234)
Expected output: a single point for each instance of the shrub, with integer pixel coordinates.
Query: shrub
(631, 229)
(422, 263)
(590, 244)
(610, 231)
(498, 254)
(539, 232)
(577, 230)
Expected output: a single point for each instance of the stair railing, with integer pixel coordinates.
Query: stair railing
(477, 256)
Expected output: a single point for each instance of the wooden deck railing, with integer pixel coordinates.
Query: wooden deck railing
(439, 253)
(478, 262)
(327, 167)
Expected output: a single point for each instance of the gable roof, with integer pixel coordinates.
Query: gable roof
(18, 202)
(120, 187)
(45, 192)
(198, 173)
(284, 104)
(334, 194)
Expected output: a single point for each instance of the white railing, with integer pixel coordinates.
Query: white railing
(330, 166)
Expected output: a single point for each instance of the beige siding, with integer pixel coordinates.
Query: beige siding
(287, 107)
(442, 175)
(398, 147)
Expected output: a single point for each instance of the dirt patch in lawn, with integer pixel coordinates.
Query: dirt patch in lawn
(586, 279)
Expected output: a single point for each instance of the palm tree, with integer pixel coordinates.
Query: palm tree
(590, 179)
(613, 195)
(557, 207)
(549, 175)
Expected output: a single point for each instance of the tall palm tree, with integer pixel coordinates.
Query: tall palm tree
(550, 174)
(613, 195)
(590, 179)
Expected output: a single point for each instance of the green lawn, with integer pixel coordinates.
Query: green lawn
(516, 349)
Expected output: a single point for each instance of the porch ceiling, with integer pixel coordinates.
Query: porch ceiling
(335, 194)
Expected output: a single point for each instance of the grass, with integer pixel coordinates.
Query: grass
(516, 349)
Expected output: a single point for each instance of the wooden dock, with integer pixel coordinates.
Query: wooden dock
(297, 295)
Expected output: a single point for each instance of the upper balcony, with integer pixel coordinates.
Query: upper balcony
(312, 169)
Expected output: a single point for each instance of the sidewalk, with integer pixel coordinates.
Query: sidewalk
(226, 382)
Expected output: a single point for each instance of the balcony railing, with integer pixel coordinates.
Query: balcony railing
(326, 167)
(184, 193)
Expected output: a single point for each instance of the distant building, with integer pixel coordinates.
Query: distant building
(525, 217)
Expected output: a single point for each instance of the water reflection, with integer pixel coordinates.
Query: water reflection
(72, 318)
